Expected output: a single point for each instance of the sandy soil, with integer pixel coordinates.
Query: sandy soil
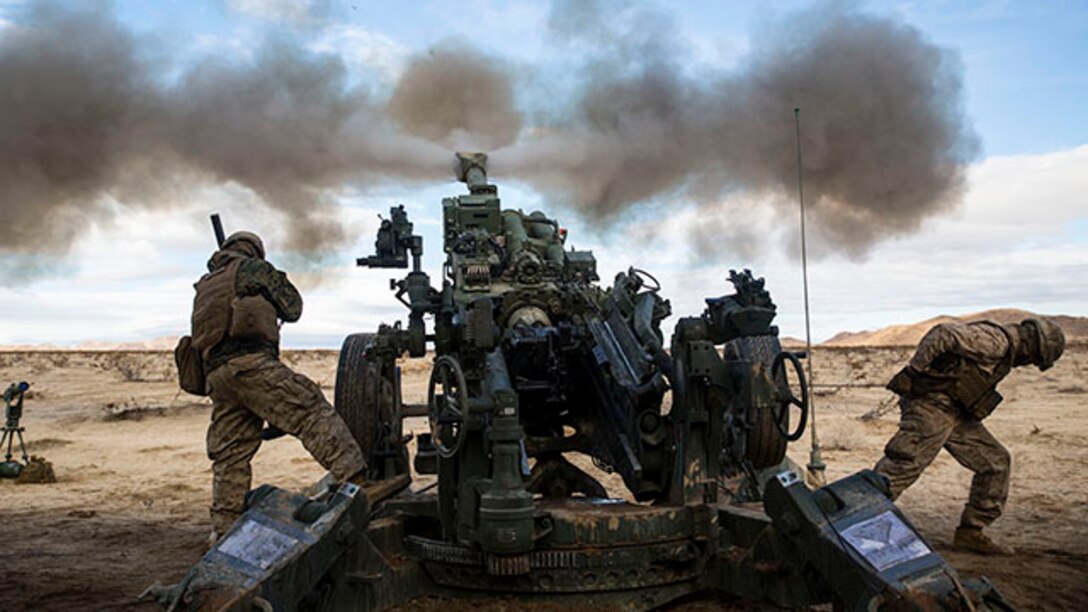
(129, 506)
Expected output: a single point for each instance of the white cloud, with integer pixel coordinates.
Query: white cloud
(292, 11)
(363, 49)
(1019, 240)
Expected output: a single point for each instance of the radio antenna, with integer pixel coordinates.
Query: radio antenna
(816, 466)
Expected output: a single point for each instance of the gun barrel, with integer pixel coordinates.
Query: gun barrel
(472, 169)
(217, 227)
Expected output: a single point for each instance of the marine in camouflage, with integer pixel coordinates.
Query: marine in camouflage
(246, 381)
(946, 390)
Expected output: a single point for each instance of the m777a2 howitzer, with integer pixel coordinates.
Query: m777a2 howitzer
(533, 362)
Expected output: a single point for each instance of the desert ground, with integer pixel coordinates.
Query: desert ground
(133, 481)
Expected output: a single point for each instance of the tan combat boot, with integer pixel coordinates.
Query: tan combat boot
(972, 538)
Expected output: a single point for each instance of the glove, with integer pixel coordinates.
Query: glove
(903, 382)
(271, 432)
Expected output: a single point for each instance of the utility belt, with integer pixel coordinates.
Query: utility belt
(969, 387)
(230, 348)
(253, 328)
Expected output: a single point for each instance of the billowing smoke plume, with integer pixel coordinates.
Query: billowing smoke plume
(884, 140)
(74, 108)
(87, 118)
(457, 97)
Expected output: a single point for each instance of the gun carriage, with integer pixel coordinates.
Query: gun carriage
(533, 361)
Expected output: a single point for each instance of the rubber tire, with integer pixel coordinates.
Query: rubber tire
(765, 445)
(354, 402)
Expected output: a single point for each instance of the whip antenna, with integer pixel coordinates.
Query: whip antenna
(816, 464)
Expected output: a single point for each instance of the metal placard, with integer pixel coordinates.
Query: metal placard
(885, 541)
(257, 545)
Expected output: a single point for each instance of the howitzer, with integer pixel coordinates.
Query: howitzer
(536, 364)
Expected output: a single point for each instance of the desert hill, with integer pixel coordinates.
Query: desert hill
(1075, 328)
(792, 343)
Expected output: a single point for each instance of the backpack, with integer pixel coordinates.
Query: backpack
(190, 367)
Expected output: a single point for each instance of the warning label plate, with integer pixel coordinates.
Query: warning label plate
(257, 545)
(885, 541)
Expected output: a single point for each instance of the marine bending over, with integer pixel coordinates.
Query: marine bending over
(947, 389)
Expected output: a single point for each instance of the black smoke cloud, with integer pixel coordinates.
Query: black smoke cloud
(73, 107)
(88, 118)
(459, 97)
(884, 138)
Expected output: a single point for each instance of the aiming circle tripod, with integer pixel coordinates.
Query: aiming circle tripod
(9, 436)
(13, 397)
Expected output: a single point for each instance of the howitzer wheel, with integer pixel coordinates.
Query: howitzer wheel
(447, 397)
(765, 445)
(363, 398)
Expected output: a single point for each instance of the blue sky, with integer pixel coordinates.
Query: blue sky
(1026, 81)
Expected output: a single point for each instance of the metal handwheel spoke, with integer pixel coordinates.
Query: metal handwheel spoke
(446, 399)
(781, 411)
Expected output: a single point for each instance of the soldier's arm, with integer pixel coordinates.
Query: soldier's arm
(257, 276)
(982, 343)
(936, 342)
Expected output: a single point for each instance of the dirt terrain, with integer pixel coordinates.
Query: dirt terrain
(129, 506)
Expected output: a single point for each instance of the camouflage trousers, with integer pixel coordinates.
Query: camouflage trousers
(251, 389)
(927, 426)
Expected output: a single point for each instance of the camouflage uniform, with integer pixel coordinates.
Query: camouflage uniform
(933, 419)
(249, 385)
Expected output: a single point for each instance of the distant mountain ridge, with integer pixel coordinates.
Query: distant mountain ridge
(1075, 328)
(162, 343)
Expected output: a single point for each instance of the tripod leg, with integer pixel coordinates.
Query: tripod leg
(22, 446)
(7, 436)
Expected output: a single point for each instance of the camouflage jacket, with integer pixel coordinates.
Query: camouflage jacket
(983, 342)
(257, 276)
(959, 365)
